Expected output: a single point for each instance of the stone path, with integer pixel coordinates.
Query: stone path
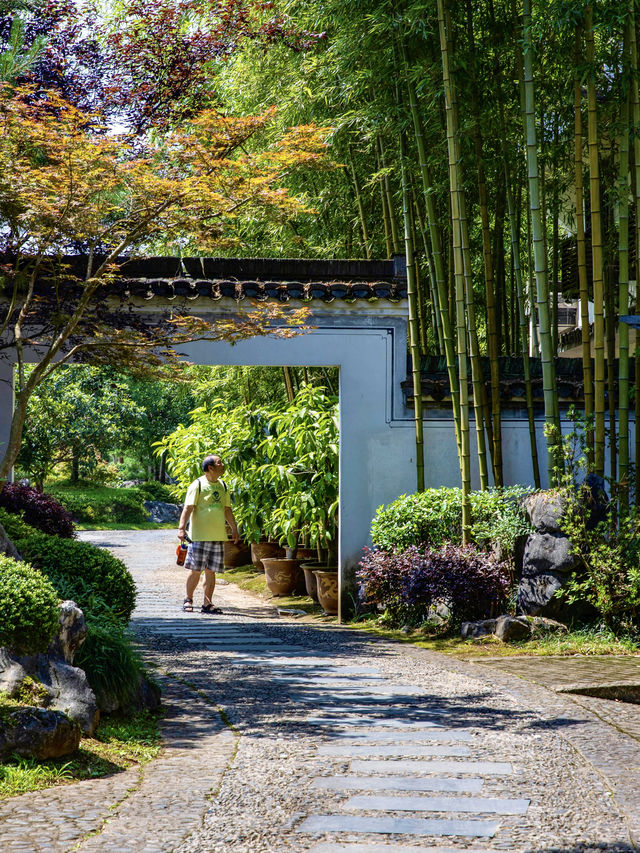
(281, 737)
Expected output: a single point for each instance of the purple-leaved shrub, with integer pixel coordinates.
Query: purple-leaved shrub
(39, 510)
(405, 584)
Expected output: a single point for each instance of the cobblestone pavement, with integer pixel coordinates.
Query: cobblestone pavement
(283, 736)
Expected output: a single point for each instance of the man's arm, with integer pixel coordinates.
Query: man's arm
(184, 520)
(228, 514)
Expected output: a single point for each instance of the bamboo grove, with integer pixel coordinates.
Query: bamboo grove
(481, 138)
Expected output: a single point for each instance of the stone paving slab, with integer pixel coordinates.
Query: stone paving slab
(398, 826)
(330, 847)
(487, 768)
(473, 805)
(404, 751)
(398, 783)
(415, 735)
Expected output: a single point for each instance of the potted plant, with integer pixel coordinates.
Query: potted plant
(301, 451)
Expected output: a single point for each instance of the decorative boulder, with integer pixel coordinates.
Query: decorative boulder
(510, 629)
(62, 687)
(6, 545)
(536, 594)
(38, 733)
(72, 633)
(548, 552)
(545, 510)
(145, 697)
(473, 630)
(161, 512)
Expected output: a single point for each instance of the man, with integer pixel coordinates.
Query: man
(208, 506)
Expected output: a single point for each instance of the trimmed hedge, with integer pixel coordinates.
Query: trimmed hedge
(29, 608)
(39, 510)
(104, 504)
(434, 517)
(90, 575)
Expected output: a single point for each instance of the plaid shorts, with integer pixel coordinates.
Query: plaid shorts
(205, 555)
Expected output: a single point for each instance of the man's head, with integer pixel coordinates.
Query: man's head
(212, 464)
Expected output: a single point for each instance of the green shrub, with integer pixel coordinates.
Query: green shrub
(90, 573)
(434, 517)
(28, 607)
(111, 663)
(97, 505)
(157, 492)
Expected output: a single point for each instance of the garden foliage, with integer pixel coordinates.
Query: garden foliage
(434, 517)
(78, 570)
(39, 510)
(405, 584)
(92, 505)
(28, 607)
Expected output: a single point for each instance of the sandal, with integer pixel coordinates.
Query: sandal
(187, 605)
(210, 609)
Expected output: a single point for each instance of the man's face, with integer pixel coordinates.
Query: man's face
(218, 465)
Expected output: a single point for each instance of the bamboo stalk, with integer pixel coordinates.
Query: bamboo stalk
(635, 102)
(360, 205)
(461, 329)
(395, 237)
(596, 250)
(585, 331)
(540, 260)
(414, 339)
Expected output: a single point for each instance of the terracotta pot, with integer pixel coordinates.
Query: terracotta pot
(306, 554)
(328, 590)
(236, 555)
(281, 575)
(260, 550)
(310, 582)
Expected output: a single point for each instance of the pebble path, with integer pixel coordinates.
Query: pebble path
(285, 736)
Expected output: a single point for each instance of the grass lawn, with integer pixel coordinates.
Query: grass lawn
(116, 746)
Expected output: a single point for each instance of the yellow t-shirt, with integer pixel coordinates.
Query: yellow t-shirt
(209, 502)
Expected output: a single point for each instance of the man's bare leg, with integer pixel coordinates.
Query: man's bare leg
(192, 582)
(209, 586)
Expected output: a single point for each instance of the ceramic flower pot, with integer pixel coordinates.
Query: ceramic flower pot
(260, 550)
(236, 555)
(281, 575)
(328, 590)
(310, 583)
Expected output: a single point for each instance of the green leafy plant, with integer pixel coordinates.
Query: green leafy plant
(28, 607)
(112, 664)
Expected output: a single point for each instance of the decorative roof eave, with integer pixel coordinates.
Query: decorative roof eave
(261, 291)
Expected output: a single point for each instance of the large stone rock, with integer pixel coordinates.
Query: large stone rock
(473, 630)
(6, 545)
(545, 510)
(61, 686)
(536, 594)
(72, 632)
(548, 552)
(595, 496)
(161, 512)
(38, 733)
(510, 628)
